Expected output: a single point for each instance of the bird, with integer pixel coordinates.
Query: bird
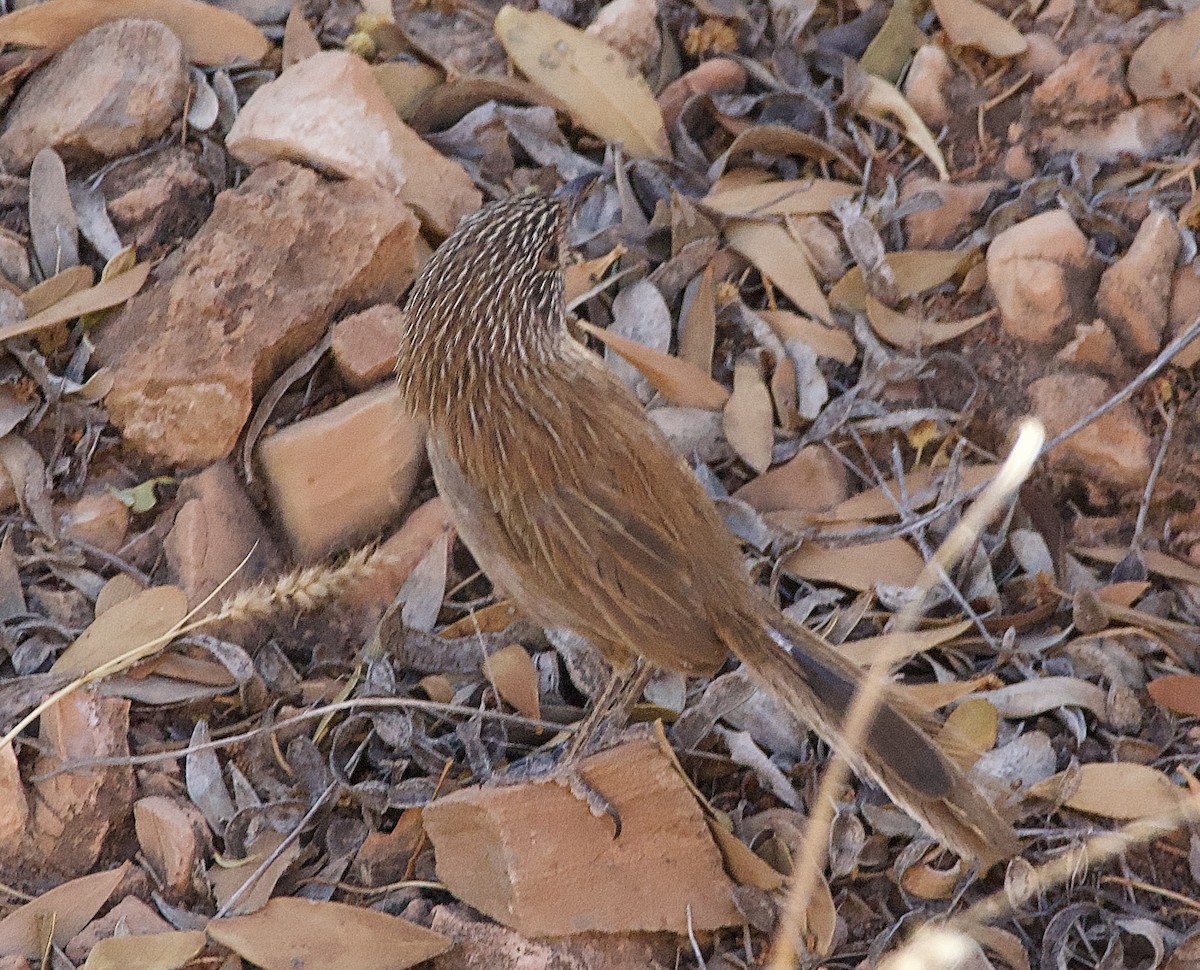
(574, 504)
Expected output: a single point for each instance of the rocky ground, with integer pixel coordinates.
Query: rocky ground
(252, 682)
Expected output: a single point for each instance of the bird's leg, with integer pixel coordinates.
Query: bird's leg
(611, 710)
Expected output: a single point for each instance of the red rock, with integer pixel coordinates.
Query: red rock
(630, 27)
(341, 476)
(398, 556)
(173, 836)
(479, 944)
(329, 112)
(215, 529)
(1090, 85)
(14, 808)
(113, 89)
(99, 519)
(74, 812)
(1043, 276)
(1135, 292)
(1114, 449)
(1185, 310)
(961, 211)
(131, 914)
(1095, 347)
(533, 857)
(156, 200)
(365, 345)
(255, 288)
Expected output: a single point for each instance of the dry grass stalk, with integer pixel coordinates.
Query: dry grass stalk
(1000, 490)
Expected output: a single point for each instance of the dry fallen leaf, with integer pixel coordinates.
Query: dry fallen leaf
(928, 882)
(782, 259)
(604, 92)
(745, 866)
(698, 334)
(70, 907)
(897, 648)
(511, 671)
(749, 416)
(209, 34)
(1177, 692)
(48, 292)
(288, 933)
(901, 330)
(1030, 697)
(824, 340)
(1122, 791)
(971, 24)
(140, 619)
(974, 725)
(103, 295)
(152, 951)
(797, 197)
(883, 101)
(892, 562)
(916, 270)
(676, 380)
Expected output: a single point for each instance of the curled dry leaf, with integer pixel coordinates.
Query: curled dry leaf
(603, 91)
(209, 34)
(151, 951)
(749, 416)
(1156, 562)
(927, 882)
(676, 380)
(971, 24)
(915, 270)
(882, 101)
(781, 258)
(1167, 62)
(67, 908)
(901, 330)
(139, 620)
(1031, 697)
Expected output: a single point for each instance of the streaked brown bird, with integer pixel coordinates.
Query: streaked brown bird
(575, 505)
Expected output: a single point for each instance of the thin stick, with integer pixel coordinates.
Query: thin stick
(999, 490)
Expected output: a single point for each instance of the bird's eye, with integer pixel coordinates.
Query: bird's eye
(547, 261)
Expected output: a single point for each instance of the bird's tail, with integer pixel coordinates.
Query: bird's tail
(817, 684)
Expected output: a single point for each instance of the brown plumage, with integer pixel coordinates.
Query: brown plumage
(574, 504)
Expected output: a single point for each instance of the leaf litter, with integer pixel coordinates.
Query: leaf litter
(743, 260)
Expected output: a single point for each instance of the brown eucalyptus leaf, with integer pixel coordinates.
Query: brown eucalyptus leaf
(974, 724)
(299, 41)
(916, 270)
(150, 951)
(289, 932)
(59, 287)
(749, 416)
(53, 224)
(782, 259)
(892, 562)
(782, 140)
(824, 340)
(209, 34)
(604, 92)
(1123, 791)
(103, 295)
(676, 380)
(1177, 692)
(896, 648)
(697, 336)
(138, 620)
(797, 197)
(970, 24)
(511, 671)
(901, 330)
(68, 908)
